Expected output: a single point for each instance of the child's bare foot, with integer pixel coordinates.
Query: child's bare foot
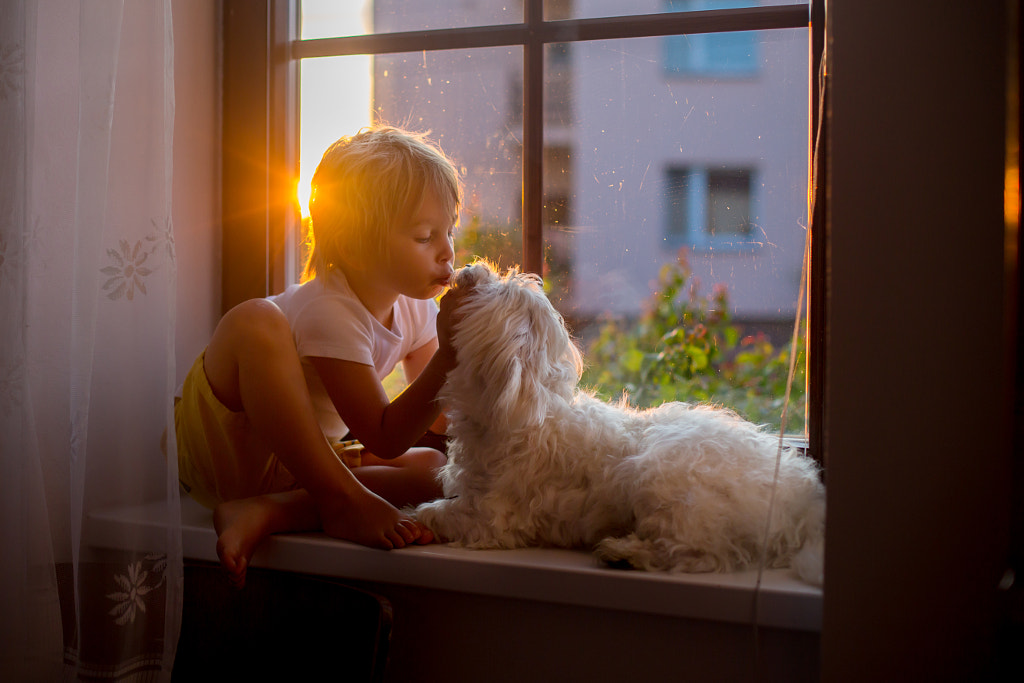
(363, 518)
(426, 535)
(240, 525)
(368, 519)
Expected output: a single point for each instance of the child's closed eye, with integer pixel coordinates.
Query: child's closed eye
(427, 239)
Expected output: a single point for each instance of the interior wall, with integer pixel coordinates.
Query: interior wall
(919, 364)
(196, 193)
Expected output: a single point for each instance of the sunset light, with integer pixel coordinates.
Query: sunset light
(335, 90)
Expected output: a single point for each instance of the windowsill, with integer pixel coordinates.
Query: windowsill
(546, 575)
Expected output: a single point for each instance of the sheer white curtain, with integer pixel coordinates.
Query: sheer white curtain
(87, 286)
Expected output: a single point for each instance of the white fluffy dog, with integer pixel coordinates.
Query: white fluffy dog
(535, 461)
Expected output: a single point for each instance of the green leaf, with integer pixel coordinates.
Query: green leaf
(632, 360)
(732, 336)
(697, 357)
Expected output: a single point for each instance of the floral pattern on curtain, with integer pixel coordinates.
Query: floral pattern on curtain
(87, 371)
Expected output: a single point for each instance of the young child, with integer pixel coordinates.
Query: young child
(284, 377)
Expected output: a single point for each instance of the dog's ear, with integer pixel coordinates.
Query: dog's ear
(490, 341)
(515, 355)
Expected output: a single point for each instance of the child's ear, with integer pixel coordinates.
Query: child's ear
(352, 262)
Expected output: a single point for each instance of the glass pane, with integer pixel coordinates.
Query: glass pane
(586, 9)
(679, 242)
(337, 18)
(466, 99)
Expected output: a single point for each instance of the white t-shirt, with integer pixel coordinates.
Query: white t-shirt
(329, 321)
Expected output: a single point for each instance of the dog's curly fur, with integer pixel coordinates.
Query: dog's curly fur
(535, 461)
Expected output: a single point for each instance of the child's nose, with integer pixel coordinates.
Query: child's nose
(448, 250)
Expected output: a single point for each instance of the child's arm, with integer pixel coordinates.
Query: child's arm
(390, 429)
(386, 429)
(413, 365)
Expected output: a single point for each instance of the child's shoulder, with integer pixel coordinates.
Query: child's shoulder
(331, 285)
(320, 299)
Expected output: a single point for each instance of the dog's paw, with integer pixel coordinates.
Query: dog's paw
(433, 515)
(625, 552)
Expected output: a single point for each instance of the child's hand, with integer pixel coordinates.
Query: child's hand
(448, 316)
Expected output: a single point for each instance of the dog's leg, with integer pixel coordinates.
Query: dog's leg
(442, 517)
(457, 521)
(465, 523)
(655, 555)
(624, 551)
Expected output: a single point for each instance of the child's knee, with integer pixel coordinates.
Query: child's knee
(257, 322)
(431, 458)
(418, 458)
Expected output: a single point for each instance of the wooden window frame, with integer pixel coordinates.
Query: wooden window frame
(259, 158)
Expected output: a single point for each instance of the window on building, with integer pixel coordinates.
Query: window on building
(729, 203)
(727, 54)
(563, 126)
(710, 207)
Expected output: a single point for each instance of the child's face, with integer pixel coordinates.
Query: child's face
(421, 253)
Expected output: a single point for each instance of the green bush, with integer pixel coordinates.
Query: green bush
(501, 245)
(685, 347)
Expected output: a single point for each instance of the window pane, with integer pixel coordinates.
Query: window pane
(694, 190)
(466, 99)
(338, 18)
(585, 9)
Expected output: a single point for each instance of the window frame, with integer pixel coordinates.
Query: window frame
(259, 159)
(261, 53)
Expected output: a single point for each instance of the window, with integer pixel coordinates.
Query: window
(731, 54)
(588, 161)
(710, 207)
(728, 203)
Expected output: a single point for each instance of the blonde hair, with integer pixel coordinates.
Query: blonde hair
(368, 183)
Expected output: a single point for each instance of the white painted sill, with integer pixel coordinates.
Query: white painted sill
(547, 575)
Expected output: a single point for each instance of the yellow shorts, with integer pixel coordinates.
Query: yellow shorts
(219, 455)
